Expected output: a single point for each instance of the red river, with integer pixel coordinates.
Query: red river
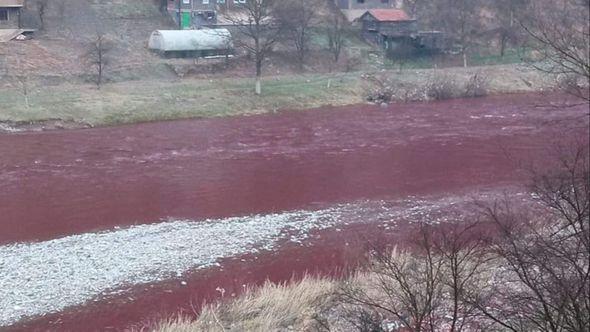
(62, 183)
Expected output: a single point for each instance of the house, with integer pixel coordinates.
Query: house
(397, 33)
(354, 9)
(189, 14)
(387, 27)
(10, 13)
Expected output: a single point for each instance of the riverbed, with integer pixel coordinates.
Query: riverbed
(111, 227)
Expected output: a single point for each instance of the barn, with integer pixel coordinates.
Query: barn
(388, 27)
(191, 43)
(397, 33)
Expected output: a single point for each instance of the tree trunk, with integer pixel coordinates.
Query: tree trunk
(258, 76)
(258, 86)
(464, 59)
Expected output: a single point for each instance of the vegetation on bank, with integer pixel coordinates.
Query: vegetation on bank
(142, 101)
(519, 268)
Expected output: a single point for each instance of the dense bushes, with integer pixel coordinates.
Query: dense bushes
(441, 87)
(438, 87)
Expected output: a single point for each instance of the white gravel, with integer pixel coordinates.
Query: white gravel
(45, 277)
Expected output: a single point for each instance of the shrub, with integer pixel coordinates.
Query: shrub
(476, 86)
(442, 87)
(574, 85)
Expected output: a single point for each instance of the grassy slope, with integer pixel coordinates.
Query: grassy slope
(152, 100)
(271, 307)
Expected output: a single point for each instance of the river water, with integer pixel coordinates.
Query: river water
(319, 178)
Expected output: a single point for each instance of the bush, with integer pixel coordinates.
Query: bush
(476, 86)
(380, 90)
(442, 87)
(574, 85)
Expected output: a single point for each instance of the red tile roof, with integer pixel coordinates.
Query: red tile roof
(390, 15)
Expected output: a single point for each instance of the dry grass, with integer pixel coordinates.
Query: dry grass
(272, 307)
(155, 100)
(142, 101)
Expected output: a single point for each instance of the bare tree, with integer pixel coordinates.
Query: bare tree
(259, 31)
(42, 10)
(336, 36)
(462, 247)
(545, 255)
(402, 53)
(297, 17)
(426, 286)
(23, 78)
(507, 15)
(98, 57)
(61, 8)
(461, 20)
(560, 32)
(406, 286)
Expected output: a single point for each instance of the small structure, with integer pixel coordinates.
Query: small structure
(10, 14)
(191, 43)
(388, 27)
(189, 14)
(397, 33)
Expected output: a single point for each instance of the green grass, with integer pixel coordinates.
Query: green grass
(140, 101)
(154, 100)
(319, 37)
(511, 55)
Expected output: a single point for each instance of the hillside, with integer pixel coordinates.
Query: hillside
(57, 47)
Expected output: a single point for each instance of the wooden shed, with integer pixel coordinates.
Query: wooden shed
(388, 27)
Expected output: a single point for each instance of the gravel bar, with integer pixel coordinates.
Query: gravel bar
(50, 276)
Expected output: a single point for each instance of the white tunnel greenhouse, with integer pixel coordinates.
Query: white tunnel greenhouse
(191, 43)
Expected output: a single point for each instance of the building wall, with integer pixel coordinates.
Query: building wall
(401, 28)
(202, 12)
(203, 4)
(378, 33)
(13, 18)
(396, 29)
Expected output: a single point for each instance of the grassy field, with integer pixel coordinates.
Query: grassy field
(154, 100)
(138, 101)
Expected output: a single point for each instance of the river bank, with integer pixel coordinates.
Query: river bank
(38, 107)
(250, 197)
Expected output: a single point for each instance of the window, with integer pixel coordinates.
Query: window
(205, 2)
(3, 14)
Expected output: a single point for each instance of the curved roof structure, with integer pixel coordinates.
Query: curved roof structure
(12, 3)
(190, 40)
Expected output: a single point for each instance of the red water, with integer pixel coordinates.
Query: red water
(67, 182)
